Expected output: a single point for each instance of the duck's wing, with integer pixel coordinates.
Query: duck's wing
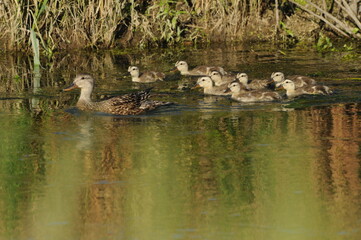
(200, 70)
(321, 89)
(301, 81)
(128, 104)
(151, 76)
(258, 84)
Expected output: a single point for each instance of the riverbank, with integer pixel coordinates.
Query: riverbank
(63, 24)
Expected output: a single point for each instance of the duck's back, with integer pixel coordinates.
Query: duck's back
(205, 70)
(217, 90)
(257, 96)
(128, 104)
(151, 76)
(301, 81)
(258, 84)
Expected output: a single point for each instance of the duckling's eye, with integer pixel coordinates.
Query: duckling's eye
(82, 78)
(203, 80)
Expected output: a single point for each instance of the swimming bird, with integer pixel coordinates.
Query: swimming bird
(128, 104)
(299, 81)
(292, 91)
(209, 87)
(182, 66)
(254, 84)
(145, 77)
(242, 95)
(220, 79)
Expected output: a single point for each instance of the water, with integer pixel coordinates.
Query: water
(205, 168)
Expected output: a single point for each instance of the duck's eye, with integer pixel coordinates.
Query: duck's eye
(82, 78)
(203, 80)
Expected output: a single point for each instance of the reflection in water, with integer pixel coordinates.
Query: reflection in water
(215, 169)
(266, 174)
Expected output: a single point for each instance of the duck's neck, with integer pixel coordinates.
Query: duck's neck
(85, 94)
(236, 92)
(135, 79)
(290, 92)
(184, 71)
(135, 76)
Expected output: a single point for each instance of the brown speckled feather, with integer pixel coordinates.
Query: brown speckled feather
(128, 104)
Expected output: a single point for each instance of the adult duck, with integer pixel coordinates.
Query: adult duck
(127, 104)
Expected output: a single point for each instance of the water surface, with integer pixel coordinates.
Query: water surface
(204, 168)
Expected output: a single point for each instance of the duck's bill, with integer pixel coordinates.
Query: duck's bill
(71, 87)
(280, 87)
(228, 90)
(270, 81)
(196, 86)
(174, 69)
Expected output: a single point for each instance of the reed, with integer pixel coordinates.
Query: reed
(67, 24)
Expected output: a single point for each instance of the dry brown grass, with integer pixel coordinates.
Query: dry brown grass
(66, 24)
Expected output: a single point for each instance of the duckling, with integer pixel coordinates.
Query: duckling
(292, 91)
(209, 88)
(128, 104)
(145, 77)
(254, 84)
(220, 79)
(299, 81)
(242, 95)
(182, 66)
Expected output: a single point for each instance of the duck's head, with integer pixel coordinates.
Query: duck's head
(233, 87)
(133, 70)
(85, 81)
(181, 66)
(277, 77)
(288, 84)
(242, 78)
(204, 82)
(215, 75)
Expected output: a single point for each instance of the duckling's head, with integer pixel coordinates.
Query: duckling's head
(205, 82)
(215, 75)
(83, 81)
(288, 84)
(181, 65)
(234, 87)
(278, 77)
(134, 71)
(242, 78)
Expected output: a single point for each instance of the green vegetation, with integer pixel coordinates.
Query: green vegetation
(65, 24)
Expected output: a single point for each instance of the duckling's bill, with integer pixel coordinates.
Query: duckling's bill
(196, 86)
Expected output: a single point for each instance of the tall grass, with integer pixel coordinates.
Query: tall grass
(67, 24)
(61, 24)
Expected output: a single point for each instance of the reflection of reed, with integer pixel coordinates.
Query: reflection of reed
(337, 131)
